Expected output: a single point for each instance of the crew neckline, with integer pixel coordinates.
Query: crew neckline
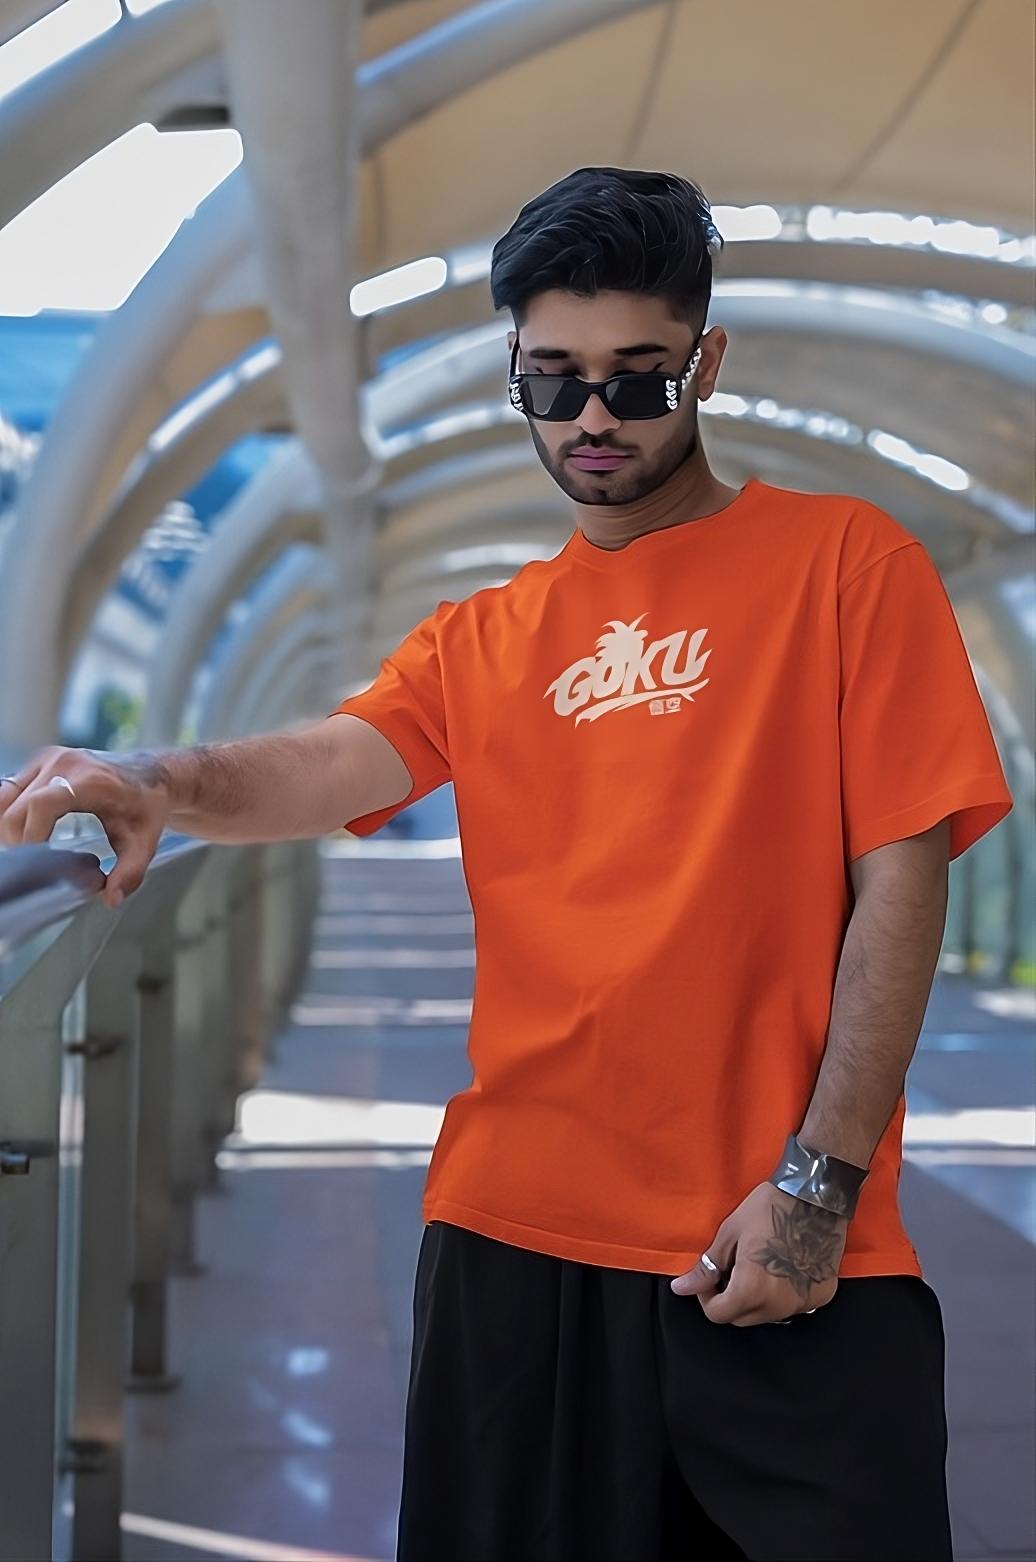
(648, 544)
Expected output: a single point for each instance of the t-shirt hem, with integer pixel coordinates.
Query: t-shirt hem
(899, 1261)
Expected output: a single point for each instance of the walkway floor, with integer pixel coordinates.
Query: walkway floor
(283, 1440)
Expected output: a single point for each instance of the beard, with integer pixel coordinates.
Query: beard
(619, 487)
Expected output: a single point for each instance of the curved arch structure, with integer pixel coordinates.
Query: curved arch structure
(294, 588)
(252, 405)
(279, 507)
(393, 92)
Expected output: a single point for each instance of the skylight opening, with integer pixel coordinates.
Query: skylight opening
(35, 49)
(399, 285)
(85, 243)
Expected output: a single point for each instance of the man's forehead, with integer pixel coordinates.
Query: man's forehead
(553, 350)
(602, 327)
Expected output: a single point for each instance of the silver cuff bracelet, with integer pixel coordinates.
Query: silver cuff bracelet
(819, 1179)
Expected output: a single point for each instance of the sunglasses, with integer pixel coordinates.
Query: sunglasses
(560, 398)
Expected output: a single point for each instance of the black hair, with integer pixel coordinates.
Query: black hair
(610, 228)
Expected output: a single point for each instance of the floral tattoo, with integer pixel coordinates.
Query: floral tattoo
(143, 767)
(805, 1246)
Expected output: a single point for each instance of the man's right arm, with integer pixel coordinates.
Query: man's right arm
(290, 785)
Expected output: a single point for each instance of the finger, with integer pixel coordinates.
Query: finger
(30, 770)
(758, 1316)
(13, 786)
(708, 1277)
(32, 817)
(738, 1302)
(699, 1281)
(747, 1302)
(765, 1315)
(132, 855)
(9, 795)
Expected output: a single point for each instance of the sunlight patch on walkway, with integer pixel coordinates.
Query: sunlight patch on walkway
(449, 900)
(1008, 1003)
(1010, 1126)
(219, 1543)
(283, 1117)
(374, 923)
(397, 958)
(340, 1009)
(321, 1160)
(356, 846)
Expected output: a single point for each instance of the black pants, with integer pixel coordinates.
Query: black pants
(564, 1412)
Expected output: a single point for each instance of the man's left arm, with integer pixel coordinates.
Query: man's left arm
(884, 979)
(777, 1254)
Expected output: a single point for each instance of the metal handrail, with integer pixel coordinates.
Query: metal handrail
(42, 883)
(126, 1036)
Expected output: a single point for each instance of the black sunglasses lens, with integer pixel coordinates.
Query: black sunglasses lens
(638, 396)
(553, 396)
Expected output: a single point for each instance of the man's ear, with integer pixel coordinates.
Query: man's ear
(512, 337)
(708, 374)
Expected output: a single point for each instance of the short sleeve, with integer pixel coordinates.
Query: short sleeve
(916, 743)
(406, 704)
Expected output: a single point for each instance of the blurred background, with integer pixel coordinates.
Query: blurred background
(252, 429)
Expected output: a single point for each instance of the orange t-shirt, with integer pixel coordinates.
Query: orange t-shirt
(663, 758)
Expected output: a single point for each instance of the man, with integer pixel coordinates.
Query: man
(710, 763)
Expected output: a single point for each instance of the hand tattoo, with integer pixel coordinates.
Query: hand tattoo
(805, 1246)
(142, 767)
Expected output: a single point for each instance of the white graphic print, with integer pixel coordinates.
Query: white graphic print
(623, 661)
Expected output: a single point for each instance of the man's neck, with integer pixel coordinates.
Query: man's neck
(687, 494)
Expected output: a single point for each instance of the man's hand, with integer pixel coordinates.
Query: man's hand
(777, 1255)
(128, 794)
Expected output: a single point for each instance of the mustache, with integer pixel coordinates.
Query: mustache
(596, 444)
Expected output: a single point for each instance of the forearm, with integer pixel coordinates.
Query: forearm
(267, 788)
(882, 986)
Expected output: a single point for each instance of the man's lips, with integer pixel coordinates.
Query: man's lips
(597, 460)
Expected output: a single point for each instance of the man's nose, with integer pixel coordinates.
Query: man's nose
(595, 417)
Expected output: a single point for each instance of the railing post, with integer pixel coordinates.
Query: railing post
(153, 1181)
(278, 886)
(191, 1014)
(245, 982)
(110, 1049)
(220, 1047)
(37, 1198)
(30, 1067)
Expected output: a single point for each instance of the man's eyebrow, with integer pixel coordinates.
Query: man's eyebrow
(639, 350)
